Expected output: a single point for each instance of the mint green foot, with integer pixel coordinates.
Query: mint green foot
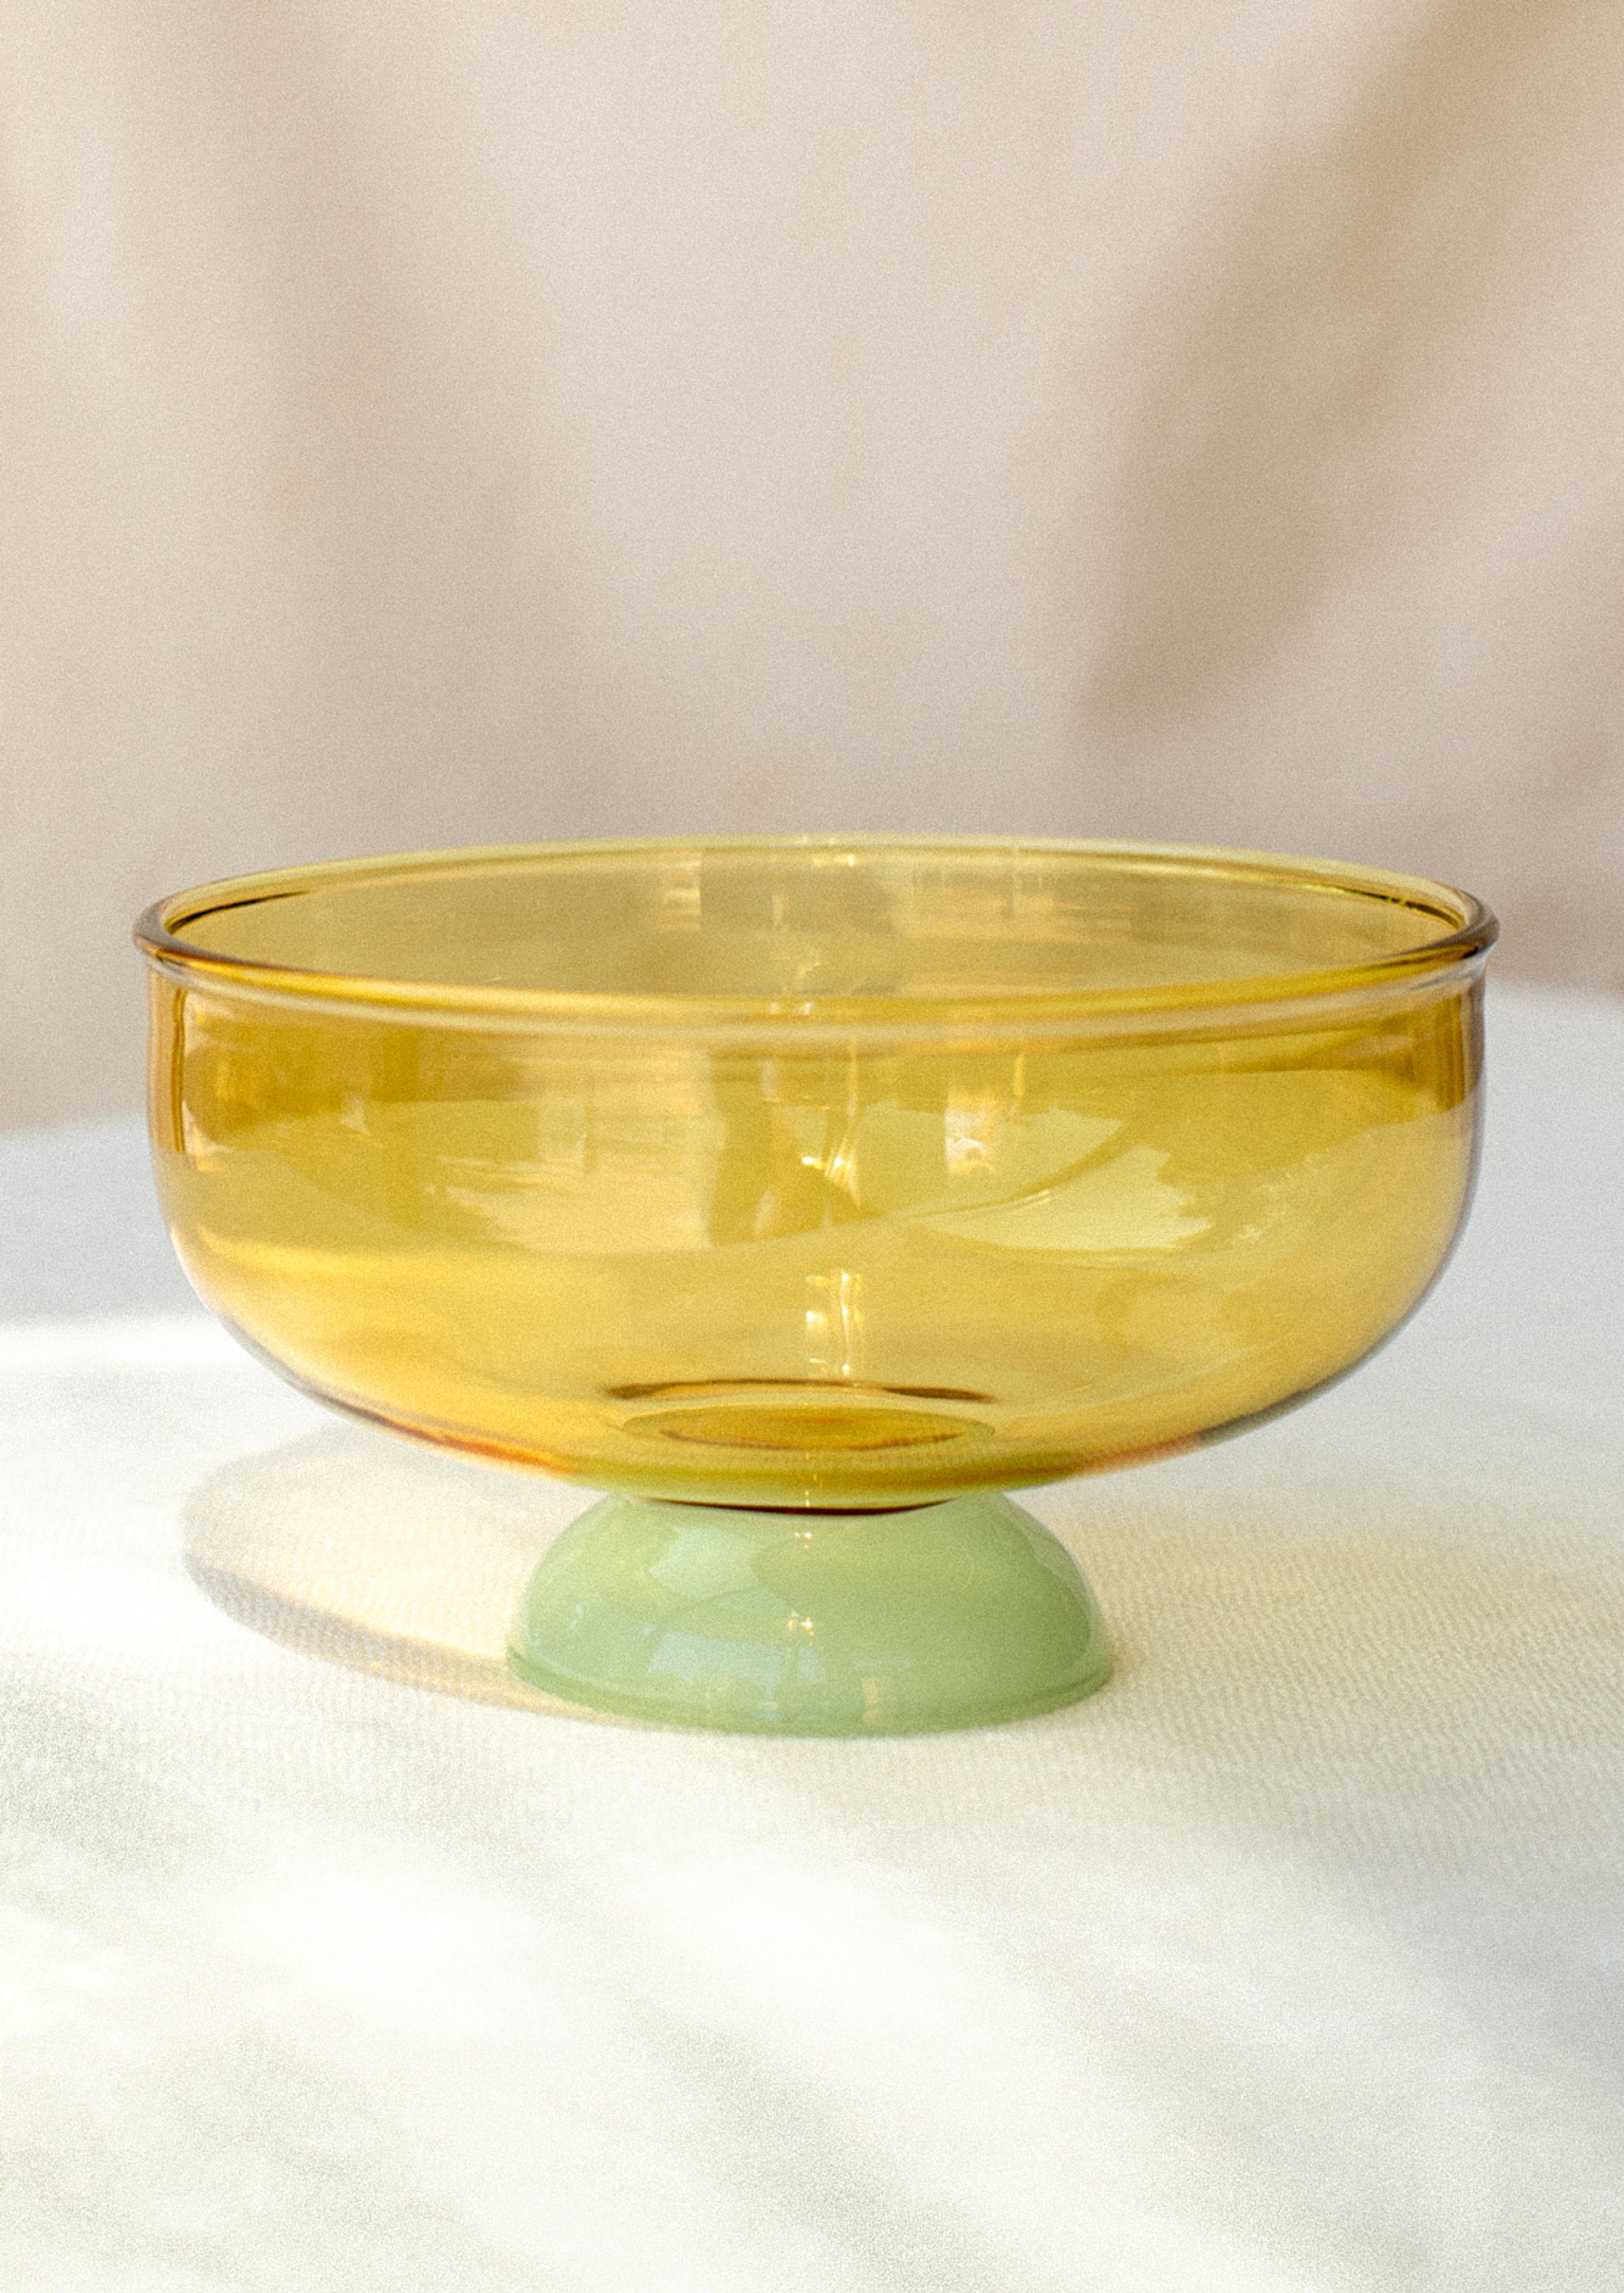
(946, 1615)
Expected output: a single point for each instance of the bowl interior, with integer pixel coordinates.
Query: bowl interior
(791, 920)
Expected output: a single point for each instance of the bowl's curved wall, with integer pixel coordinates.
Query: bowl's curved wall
(813, 1277)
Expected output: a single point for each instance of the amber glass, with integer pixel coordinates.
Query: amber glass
(822, 1174)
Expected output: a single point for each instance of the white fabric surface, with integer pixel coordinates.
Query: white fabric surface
(1288, 1965)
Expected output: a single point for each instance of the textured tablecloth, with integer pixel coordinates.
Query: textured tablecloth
(1290, 1963)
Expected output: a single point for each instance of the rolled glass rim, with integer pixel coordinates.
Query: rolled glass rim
(1435, 965)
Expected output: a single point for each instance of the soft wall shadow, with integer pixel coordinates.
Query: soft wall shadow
(1308, 376)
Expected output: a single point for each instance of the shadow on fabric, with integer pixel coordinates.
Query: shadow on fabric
(1351, 1649)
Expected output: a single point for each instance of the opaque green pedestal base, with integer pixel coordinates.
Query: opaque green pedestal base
(946, 1615)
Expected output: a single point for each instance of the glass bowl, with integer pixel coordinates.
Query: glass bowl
(807, 1193)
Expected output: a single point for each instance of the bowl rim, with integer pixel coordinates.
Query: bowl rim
(159, 935)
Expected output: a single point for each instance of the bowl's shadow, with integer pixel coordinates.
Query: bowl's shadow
(1357, 1646)
(364, 1552)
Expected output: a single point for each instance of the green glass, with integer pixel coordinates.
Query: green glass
(812, 1624)
(807, 1193)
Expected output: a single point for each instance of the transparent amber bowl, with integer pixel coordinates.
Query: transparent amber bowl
(815, 1177)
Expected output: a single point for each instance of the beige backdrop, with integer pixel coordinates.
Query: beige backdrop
(429, 424)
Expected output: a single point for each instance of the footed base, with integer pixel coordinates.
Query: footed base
(944, 1616)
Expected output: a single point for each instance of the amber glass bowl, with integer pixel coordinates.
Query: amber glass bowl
(814, 1176)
